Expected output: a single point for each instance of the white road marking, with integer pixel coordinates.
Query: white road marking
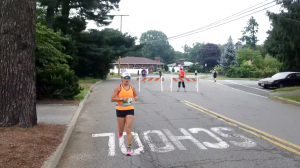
(137, 140)
(187, 135)
(247, 86)
(168, 148)
(111, 142)
(220, 145)
(248, 143)
(240, 90)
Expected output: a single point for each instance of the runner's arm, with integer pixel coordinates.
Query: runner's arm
(134, 94)
(114, 95)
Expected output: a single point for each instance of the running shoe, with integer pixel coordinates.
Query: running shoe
(128, 153)
(120, 135)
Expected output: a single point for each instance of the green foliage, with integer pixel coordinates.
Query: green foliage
(229, 55)
(250, 71)
(249, 33)
(173, 69)
(194, 67)
(54, 78)
(209, 54)
(191, 53)
(166, 68)
(283, 41)
(246, 54)
(156, 44)
(272, 62)
(98, 49)
(218, 68)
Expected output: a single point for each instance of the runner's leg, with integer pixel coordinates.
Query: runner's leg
(129, 121)
(121, 125)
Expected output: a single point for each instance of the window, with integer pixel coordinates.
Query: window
(297, 75)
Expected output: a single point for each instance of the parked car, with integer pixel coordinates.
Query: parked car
(281, 79)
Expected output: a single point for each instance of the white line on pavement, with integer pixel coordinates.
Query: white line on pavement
(240, 90)
(247, 86)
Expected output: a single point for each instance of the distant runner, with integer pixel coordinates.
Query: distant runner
(196, 73)
(144, 73)
(159, 73)
(123, 95)
(181, 76)
(215, 75)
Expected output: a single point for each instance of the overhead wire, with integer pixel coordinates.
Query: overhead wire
(220, 21)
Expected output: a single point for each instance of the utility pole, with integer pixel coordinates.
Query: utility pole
(121, 32)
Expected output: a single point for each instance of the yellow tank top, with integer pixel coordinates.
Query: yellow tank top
(125, 94)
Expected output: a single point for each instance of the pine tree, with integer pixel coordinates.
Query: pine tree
(229, 57)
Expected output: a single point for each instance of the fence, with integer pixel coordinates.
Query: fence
(161, 79)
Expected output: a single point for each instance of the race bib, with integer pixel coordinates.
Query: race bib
(128, 102)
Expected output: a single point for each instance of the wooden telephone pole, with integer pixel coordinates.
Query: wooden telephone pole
(121, 32)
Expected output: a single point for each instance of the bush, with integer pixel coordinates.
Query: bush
(112, 73)
(250, 71)
(173, 69)
(166, 68)
(57, 83)
(54, 79)
(195, 67)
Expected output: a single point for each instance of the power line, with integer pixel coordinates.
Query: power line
(223, 19)
(243, 12)
(222, 23)
(227, 18)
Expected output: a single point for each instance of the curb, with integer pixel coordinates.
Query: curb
(286, 100)
(53, 160)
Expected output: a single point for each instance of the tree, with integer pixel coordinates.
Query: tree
(249, 33)
(98, 49)
(209, 54)
(192, 53)
(238, 45)
(17, 67)
(246, 54)
(283, 41)
(54, 79)
(229, 56)
(58, 13)
(156, 44)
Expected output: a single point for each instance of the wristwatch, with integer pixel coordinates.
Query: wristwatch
(121, 99)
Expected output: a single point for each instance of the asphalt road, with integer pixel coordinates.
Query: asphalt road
(185, 129)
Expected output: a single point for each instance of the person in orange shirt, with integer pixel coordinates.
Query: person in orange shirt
(123, 95)
(181, 76)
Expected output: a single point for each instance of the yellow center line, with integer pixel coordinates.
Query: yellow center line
(237, 124)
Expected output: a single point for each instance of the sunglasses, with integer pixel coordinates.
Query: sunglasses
(127, 77)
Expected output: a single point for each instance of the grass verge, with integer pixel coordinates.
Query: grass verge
(82, 93)
(29, 147)
(88, 80)
(287, 89)
(294, 98)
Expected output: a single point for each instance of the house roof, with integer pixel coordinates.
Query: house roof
(138, 60)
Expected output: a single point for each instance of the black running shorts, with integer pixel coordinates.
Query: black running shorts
(124, 113)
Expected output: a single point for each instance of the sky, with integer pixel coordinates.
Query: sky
(174, 17)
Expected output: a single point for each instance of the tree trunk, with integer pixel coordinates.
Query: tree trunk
(65, 16)
(50, 13)
(17, 63)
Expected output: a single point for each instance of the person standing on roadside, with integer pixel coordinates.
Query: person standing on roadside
(181, 76)
(123, 95)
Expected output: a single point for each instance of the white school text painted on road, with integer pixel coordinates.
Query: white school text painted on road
(169, 147)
